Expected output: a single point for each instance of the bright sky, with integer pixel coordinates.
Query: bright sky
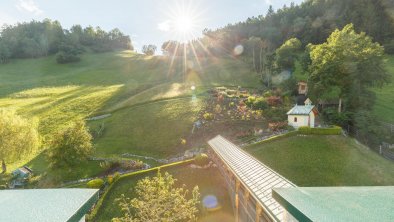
(146, 21)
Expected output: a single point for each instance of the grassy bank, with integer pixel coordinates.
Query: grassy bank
(316, 160)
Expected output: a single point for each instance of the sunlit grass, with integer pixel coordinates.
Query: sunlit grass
(123, 84)
(56, 107)
(325, 161)
(153, 129)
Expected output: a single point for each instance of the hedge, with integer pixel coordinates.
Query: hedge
(93, 214)
(305, 130)
(278, 137)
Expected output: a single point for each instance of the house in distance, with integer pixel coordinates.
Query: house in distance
(302, 115)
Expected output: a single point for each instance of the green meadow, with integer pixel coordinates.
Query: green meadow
(315, 160)
(149, 99)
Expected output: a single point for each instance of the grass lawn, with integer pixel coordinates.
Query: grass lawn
(209, 182)
(384, 107)
(324, 161)
(153, 129)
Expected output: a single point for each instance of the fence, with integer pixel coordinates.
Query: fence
(383, 148)
(388, 126)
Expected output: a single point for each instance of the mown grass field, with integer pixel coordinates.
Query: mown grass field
(324, 161)
(153, 129)
(209, 182)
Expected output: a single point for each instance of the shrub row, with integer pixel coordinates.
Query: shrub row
(305, 130)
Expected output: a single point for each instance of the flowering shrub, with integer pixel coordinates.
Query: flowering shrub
(208, 116)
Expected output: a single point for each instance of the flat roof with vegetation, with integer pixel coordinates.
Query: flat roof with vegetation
(254, 175)
(338, 203)
(46, 204)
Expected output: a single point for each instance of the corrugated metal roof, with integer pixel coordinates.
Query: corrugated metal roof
(45, 204)
(301, 110)
(254, 175)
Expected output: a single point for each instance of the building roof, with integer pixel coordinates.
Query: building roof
(301, 110)
(254, 175)
(46, 204)
(338, 203)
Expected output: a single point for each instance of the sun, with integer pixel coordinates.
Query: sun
(183, 24)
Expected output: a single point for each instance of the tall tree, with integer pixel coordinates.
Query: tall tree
(159, 200)
(71, 146)
(345, 67)
(286, 54)
(18, 136)
(149, 49)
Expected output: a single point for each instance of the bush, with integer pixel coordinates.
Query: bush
(68, 53)
(109, 165)
(95, 183)
(201, 159)
(131, 165)
(249, 102)
(306, 130)
(208, 116)
(276, 114)
(65, 57)
(110, 179)
(260, 103)
(71, 146)
(274, 100)
(267, 94)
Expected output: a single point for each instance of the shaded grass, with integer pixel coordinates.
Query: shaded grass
(54, 176)
(384, 106)
(209, 182)
(324, 161)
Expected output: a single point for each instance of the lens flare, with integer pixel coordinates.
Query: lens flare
(210, 202)
(238, 50)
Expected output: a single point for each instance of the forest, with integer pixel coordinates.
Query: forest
(37, 39)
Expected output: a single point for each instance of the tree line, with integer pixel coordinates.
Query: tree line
(311, 22)
(42, 38)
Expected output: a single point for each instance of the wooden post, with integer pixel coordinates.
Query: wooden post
(236, 200)
(258, 212)
(246, 198)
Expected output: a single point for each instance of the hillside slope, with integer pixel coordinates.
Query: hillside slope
(115, 83)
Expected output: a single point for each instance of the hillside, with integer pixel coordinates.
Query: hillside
(151, 108)
(137, 90)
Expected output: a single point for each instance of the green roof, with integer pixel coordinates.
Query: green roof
(338, 203)
(46, 204)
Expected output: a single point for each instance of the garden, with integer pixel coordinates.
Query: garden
(189, 173)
